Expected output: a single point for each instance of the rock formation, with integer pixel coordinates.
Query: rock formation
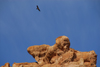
(58, 55)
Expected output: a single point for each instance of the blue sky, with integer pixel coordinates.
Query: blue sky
(21, 26)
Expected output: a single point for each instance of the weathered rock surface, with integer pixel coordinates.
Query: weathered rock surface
(58, 55)
(25, 64)
(6, 65)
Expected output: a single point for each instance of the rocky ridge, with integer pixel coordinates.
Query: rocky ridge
(58, 55)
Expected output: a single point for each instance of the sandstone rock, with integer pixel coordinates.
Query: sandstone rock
(58, 55)
(51, 65)
(38, 52)
(44, 54)
(25, 64)
(61, 53)
(6, 65)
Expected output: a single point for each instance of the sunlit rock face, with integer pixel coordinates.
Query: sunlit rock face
(58, 55)
(6, 65)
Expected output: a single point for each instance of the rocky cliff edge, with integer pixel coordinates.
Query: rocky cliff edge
(58, 55)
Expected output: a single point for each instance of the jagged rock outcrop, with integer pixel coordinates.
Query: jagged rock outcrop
(26, 64)
(6, 65)
(58, 55)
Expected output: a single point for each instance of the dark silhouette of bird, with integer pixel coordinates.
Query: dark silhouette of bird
(38, 8)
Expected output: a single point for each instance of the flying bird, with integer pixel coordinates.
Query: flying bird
(38, 8)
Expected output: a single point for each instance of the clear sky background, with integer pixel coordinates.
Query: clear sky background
(21, 26)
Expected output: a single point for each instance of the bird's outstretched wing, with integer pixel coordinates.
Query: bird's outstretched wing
(38, 8)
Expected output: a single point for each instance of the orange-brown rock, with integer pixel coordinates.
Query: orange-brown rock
(44, 53)
(25, 64)
(59, 55)
(6, 65)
